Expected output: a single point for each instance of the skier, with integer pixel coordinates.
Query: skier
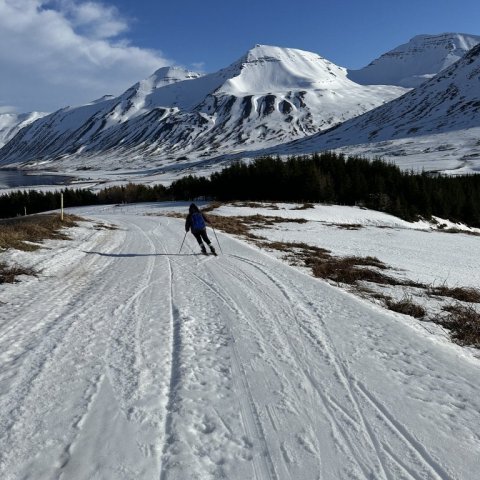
(196, 221)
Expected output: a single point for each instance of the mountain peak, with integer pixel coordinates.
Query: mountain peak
(266, 68)
(412, 63)
(171, 74)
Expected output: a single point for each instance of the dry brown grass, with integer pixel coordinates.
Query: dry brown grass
(233, 226)
(464, 324)
(348, 226)
(271, 206)
(463, 321)
(242, 225)
(211, 206)
(26, 233)
(9, 274)
(406, 306)
(305, 206)
(462, 294)
(323, 264)
(105, 226)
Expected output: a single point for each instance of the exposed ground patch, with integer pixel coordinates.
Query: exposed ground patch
(361, 273)
(27, 233)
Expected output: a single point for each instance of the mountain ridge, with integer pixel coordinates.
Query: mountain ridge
(270, 95)
(272, 99)
(414, 62)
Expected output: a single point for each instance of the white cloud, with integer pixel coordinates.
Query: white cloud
(7, 109)
(55, 53)
(95, 19)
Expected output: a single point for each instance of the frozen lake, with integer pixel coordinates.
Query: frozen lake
(19, 178)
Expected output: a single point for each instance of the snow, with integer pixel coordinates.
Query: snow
(120, 361)
(418, 251)
(12, 123)
(435, 126)
(411, 64)
(269, 96)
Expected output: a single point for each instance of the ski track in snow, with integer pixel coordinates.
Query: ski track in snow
(133, 364)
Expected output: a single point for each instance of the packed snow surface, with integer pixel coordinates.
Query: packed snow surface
(126, 360)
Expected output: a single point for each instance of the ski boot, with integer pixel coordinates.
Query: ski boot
(212, 249)
(204, 250)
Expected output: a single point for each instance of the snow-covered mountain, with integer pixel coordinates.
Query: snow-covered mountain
(434, 124)
(12, 123)
(269, 96)
(412, 63)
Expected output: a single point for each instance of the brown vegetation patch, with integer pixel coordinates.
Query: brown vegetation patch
(406, 306)
(464, 324)
(270, 206)
(242, 225)
(348, 226)
(323, 264)
(25, 233)
(211, 206)
(232, 225)
(305, 206)
(8, 273)
(462, 294)
(105, 226)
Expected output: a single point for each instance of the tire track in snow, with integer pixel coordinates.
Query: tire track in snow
(263, 464)
(175, 373)
(327, 401)
(327, 347)
(436, 471)
(35, 356)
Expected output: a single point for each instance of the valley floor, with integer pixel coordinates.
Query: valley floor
(125, 360)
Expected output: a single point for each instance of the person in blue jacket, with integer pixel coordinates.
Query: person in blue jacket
(197, 222)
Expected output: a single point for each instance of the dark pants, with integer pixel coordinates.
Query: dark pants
(201, 234)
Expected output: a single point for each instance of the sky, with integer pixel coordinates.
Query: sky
(56, 53)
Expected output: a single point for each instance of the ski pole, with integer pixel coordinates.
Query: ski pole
(183, 242)
(219, 246)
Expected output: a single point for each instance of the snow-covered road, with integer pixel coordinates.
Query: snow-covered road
(128, 363)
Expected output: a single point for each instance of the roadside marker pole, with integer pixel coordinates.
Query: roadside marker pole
(61, 207)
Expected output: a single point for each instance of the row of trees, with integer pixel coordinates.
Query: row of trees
(326, 177)
(15, 203)
(333, 178)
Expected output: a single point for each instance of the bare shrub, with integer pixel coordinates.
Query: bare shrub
(464, 324)
(406, 306)
(462, 294)
(8, 274)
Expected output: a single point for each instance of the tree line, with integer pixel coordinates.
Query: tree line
(15, 203)
(337, 179)
(326, 177)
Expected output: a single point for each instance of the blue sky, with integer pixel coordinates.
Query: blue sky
(68, 52)
(349, 33)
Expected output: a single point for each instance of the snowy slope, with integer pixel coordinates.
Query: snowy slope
(269, 96)
(410, 64)
(137, 364)
(435, 126)
(12, 123)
